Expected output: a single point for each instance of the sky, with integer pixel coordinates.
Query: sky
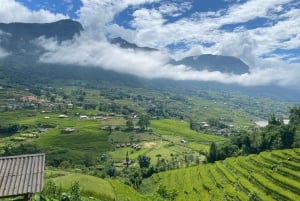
(265, 34)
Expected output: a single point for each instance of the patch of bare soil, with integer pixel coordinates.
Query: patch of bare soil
(149, 144)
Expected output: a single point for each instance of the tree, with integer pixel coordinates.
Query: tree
(144, 161)
(167, 194)
(88, 160)
(295, 115)
(296, 143)
(144, 121)
(212, 157)
(162, 191)
(80, 98)
(110, 169)
(133, 177)
(274, 121)
(109, 128)
(256, 142)
(9, 129)
(193, 125)
(287, 136)
(75, 192)
(127, 159)
(216, 123)
(50, 189)
(226, 149)
(65, 165)
(129, 124)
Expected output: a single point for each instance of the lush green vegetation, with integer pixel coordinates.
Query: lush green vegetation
(123, 142)
(255, 177)
(90, 186)
(276, 135)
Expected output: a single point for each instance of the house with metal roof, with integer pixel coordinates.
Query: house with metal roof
(21, 175)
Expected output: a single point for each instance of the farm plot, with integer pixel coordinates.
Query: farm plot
(257, 177)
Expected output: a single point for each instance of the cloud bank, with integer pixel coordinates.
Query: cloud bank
(85, 51)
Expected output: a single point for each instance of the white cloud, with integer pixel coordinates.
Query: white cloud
(88, 52)
(146, 19)
(175, 9)
(250, 10)
(118, 31)
(12, 11)
(3, 53)
(85, 51)
(96, 16)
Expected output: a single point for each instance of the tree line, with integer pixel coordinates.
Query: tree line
(276, 135)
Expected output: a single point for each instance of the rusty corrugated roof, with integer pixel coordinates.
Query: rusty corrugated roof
(21, 174)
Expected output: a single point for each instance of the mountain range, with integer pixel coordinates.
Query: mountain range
(17, 39)
(20, 35)
(209, 62)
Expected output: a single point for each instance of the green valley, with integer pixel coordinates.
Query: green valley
(149, 100)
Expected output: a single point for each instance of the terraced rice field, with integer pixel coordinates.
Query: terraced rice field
(268, 176)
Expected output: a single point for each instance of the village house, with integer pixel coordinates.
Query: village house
(28, 98)
(62, 116)
(82, 117)
(41, 130)
(98, 117)
(69, 130)
(183, 141)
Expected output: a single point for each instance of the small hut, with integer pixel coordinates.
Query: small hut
(69, 130)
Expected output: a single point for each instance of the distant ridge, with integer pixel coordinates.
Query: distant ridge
(127, 45)
(17, 36)
(62, 29)
(224, 64)
(209, 62)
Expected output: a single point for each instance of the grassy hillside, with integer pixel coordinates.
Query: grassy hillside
(100, 189)
(87, 138)
(175, 130)
(164, 141)
(267, 176)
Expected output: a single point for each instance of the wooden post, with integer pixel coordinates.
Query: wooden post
(27, 197)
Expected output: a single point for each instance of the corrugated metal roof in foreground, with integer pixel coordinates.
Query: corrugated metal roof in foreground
(21, 174)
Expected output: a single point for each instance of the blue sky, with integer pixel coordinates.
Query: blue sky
(70, 7)
(263, 33)
(66, 7)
